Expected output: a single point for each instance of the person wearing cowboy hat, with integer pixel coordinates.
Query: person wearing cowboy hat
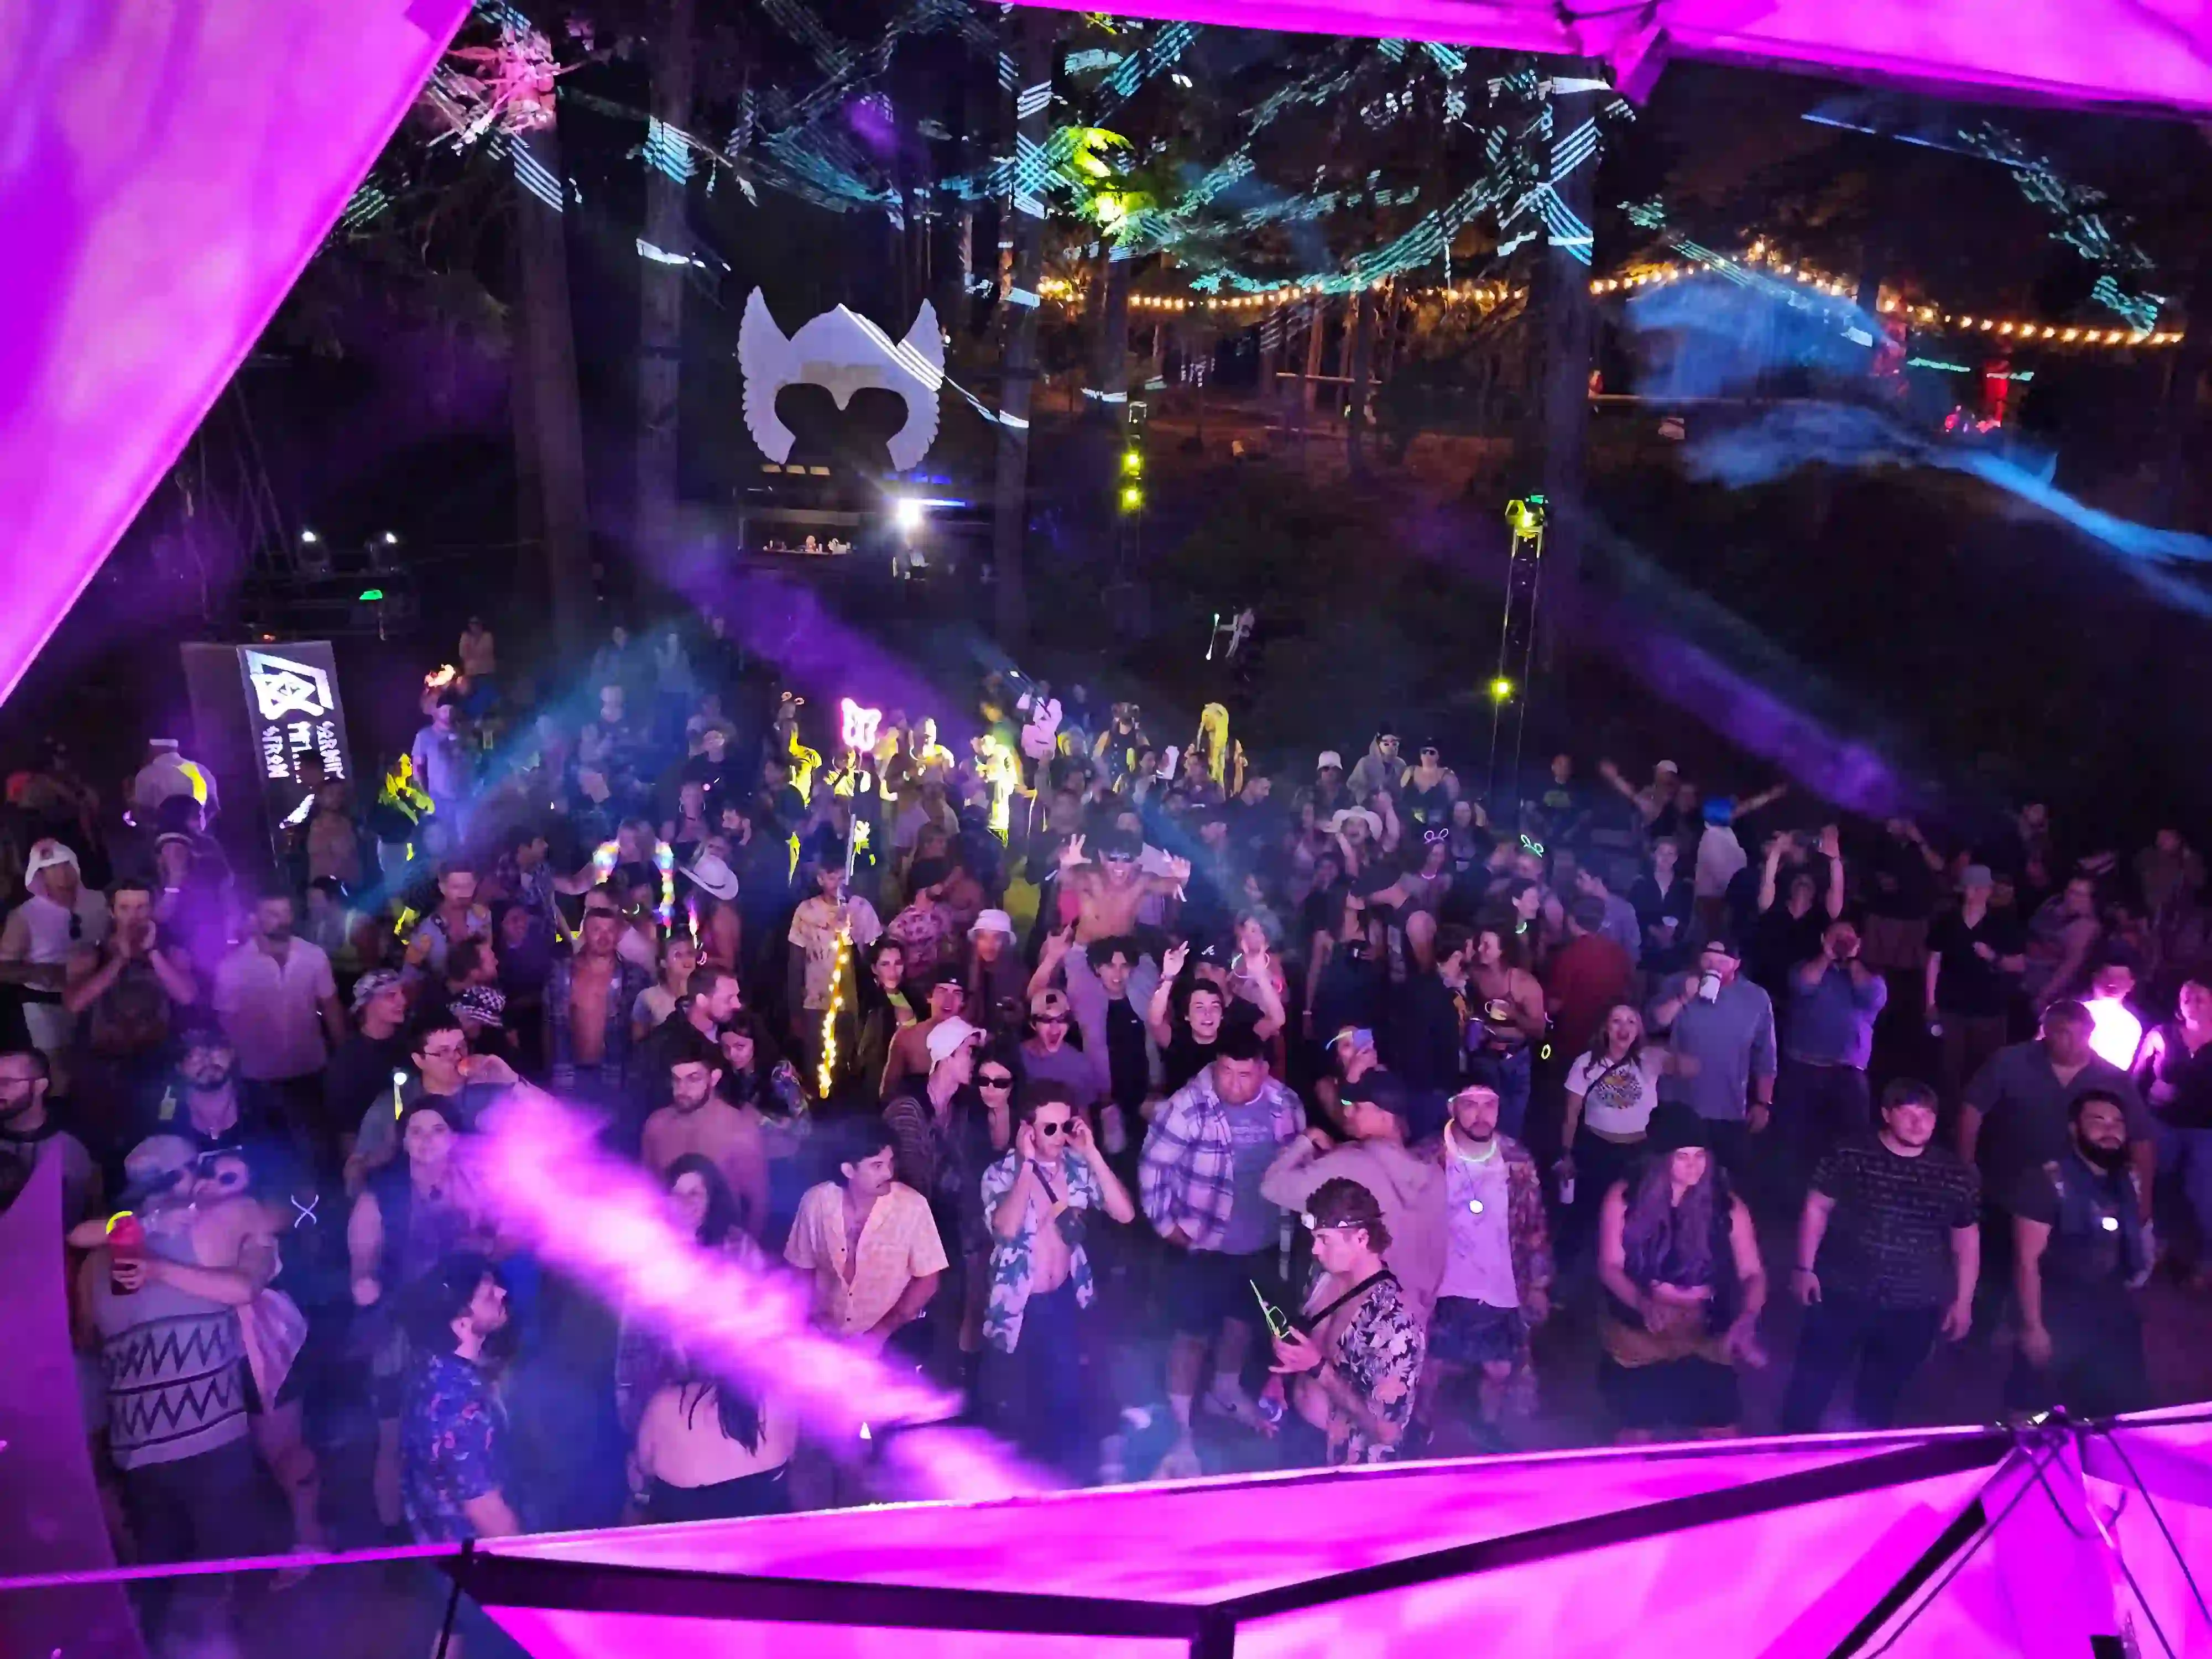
(1679, 1261)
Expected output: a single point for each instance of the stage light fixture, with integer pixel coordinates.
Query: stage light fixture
(371, 595)
(1133, 498)
(1132, 463)
(1501, 688)
(907, 514)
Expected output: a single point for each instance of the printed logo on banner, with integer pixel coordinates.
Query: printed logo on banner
(296, 714)
(283, 687)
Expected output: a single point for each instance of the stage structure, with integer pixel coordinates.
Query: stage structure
(1514, 684)
(2054, 1541)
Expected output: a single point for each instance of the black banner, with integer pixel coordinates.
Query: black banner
(294, 711)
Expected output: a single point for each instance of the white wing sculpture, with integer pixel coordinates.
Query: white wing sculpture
(842, 352)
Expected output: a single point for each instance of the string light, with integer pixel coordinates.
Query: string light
(1760, 254)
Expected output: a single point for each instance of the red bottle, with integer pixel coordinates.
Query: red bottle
(126, 1241)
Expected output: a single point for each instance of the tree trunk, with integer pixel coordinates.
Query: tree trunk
(546, 361)
(1271, 341)
(1109, 372)
(661, 296)
(1316, 328)
(1038, 31)
(1567, 321)
(1361, 352)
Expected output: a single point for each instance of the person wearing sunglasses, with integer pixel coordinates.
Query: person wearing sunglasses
(1037, 1197)
(1048, 1060)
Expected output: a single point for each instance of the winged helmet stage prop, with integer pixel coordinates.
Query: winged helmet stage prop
(843, 352)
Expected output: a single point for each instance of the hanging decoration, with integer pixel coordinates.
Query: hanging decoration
(842, 353)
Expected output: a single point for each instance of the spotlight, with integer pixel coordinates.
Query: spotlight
(1133, 498)
(389, 538)
(1132, 463)
(308, 539)
(907, 515)
(1501, 689)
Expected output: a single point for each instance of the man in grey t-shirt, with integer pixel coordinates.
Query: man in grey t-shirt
(1724, 1024)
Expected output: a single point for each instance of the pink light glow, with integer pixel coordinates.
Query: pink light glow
(602, 1223)
(2155, 57)
(169, 170)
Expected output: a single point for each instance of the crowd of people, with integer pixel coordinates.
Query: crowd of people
(1167, 1112)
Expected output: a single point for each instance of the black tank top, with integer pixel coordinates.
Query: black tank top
(2188, 1076)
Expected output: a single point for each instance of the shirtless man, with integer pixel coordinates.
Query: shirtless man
(1108, 894)
(696, 1120)
(910, 1050)
(588, 1048)
(1031, 1381)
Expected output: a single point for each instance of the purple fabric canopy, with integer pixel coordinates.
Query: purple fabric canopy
(167, 169)
(2150, 55)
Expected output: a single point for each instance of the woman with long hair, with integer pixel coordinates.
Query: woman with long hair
(1611, 1089)
(886, 1007)
(702, 1206)
(763, 1086)
(1509, 1004)
(2173, 1067)
(1680, 1263)
(707, 1450)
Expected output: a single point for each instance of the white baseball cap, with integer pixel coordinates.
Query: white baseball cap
(949, 1034)
(993, 922)
(44, 855)
(1329, 757)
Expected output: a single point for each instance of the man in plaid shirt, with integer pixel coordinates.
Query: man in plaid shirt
(1210, 1144)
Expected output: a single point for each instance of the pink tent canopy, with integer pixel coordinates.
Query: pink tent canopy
(2154, 56)
(169, 168)
(1955, 1542)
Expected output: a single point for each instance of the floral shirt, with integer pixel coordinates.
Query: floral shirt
(1011, 1259)
(452, 1446)
(1379, 1349)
